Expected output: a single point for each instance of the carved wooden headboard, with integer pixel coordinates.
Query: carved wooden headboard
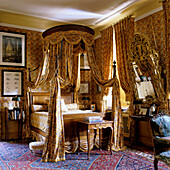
(39, 98)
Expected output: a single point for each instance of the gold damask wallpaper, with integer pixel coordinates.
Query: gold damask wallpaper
(33, 55)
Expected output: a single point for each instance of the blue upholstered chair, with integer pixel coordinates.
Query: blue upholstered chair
(160, 126)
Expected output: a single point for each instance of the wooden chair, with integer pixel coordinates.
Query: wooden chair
(160, 126)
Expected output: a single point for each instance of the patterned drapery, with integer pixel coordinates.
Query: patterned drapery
(107, 55)
(124, 31)
(116, 106)
(116, 117)
(166, 5)
(54, 142)
(58, 69)
(43, 72)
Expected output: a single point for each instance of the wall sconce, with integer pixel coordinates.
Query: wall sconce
(16, 101)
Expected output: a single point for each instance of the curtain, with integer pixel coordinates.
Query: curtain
(116, 117)
(59, 46)
(165, 5)
(107, 55)
(54, 143)
(124, 31)
(43, 72)
(116, 106)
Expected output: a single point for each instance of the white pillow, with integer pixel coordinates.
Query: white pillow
(72, 106)
(63, 106)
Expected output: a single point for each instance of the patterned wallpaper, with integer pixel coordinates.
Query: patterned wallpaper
(33, 56)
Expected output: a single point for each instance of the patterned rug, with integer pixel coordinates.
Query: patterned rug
(15, 156)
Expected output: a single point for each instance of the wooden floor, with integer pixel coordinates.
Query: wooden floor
(138, 146)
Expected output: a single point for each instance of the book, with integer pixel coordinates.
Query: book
(91, 119)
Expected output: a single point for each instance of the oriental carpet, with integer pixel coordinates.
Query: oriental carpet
(16, 156)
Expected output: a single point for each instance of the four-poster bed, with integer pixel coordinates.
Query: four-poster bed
(61, 67)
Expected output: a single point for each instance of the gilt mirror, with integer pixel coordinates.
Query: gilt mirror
(143, 61)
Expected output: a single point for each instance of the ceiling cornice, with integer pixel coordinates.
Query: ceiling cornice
(21, 27)
(148, 13)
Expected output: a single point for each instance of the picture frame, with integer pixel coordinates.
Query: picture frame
(12, 83)
(12, 49)
(93, 107)
(84, 88)
(143, 111)
(84, 65)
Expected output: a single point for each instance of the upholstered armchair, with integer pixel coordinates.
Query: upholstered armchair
(160, 126)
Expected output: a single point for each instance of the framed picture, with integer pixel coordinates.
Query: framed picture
(12, 83)
(143, 111)
(12, 49)
(84, 65)
(84, 88)
(93, 107)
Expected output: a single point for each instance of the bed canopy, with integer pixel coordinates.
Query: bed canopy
(61, 66)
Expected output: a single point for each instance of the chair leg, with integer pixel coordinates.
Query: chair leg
(156, 164)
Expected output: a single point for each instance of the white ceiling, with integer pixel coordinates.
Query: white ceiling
(93, 13)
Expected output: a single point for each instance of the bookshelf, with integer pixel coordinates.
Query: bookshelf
(13, 123)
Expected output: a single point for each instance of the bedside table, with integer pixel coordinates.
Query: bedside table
(94, 126)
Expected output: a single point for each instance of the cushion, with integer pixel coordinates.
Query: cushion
(72, 106)
(161, 125)
(37, 108)
(36, 145)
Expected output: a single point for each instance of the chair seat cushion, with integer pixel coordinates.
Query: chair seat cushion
(36, 145)
(164, 157)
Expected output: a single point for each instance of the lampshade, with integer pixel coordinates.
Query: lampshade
(85, 98)
(15, 98)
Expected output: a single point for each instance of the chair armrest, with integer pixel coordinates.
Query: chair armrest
(164, 140)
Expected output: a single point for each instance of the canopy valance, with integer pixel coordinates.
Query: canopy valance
(72, 34)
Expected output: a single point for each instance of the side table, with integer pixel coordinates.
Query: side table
(94, 126)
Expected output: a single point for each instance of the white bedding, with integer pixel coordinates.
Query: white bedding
(39, 119)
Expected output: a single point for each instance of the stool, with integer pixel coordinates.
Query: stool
(36, 146)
